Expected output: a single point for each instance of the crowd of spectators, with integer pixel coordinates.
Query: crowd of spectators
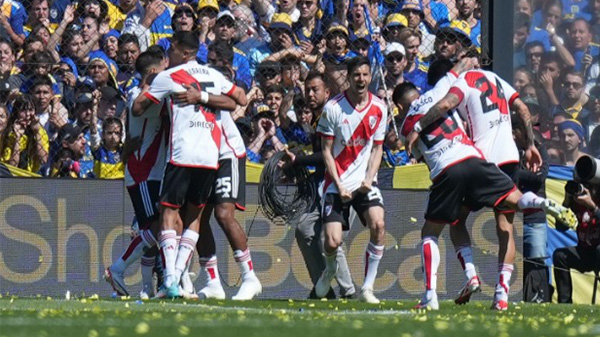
(66, 68)
(557, 63)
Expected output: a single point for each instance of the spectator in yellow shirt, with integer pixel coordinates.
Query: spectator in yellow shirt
(25, 141)
(108, 163)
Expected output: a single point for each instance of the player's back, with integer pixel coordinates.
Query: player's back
(443, 143)
(485, 105)
(148, 162)
(195, 136)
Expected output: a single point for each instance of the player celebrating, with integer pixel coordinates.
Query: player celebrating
(458, 172)
(352, 128)
(143, 175)
(309, 226)
(228, 193)
(189, 174)
(485, 100)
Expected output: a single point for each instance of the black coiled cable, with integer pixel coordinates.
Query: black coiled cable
(285, 193)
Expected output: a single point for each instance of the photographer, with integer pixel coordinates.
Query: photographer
(583, 200)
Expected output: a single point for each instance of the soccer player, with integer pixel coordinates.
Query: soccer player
(352, 128)
(309, 227)
(459, 173)
(143, 176)
(228, 194)
(189, 174)
(485, 101)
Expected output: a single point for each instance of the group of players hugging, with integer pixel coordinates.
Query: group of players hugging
(191, 161)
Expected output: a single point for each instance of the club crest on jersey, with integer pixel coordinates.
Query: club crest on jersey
(372, 121)
(328, 210)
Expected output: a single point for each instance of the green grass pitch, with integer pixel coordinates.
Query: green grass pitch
(95, 317)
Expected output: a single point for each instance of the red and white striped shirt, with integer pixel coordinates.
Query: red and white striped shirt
(353, 132)
(147, 163)
(443, 143)
(195, 137)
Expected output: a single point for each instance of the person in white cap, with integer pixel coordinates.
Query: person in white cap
(395, 62)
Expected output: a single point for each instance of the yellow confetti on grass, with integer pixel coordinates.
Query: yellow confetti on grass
(142, 328)
(93, 333)
(183, 330)
(568, 319)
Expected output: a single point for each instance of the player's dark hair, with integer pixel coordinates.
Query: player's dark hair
(437, 70)
(275, 88)
(357, 62)
(148, 59)
(315, 74)
(223, 50)
(128, 38)
(186, 40)
(402, 90)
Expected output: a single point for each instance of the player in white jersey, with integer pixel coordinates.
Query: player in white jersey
(227, 195)
(485, 101)
(459, 173)
(193, 151)
(352, 128)
(143, 174)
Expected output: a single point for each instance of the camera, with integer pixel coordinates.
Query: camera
(573, 188)
(586, 170)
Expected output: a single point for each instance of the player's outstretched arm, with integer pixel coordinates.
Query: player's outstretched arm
(193, 96)
(449, 102)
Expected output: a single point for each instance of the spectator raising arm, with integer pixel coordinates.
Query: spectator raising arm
(56, 38)
(563, 52)
(14, 25)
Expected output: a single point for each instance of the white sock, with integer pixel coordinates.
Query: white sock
(134, 252)
(373, 255)
(530, 200)
(503, 285)
(430, 255)
(465, 256)
(168, 251)
(244, 260)
(331, 262)
(186, 251)
(147, 271)
(209, 267)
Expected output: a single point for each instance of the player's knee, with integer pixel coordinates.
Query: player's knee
(224, 216)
